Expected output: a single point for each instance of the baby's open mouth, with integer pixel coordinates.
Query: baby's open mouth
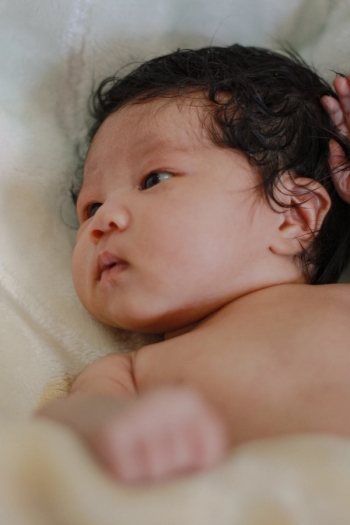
(108, 264)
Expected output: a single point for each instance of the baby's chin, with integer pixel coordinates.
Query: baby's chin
(158, 318)
(131, 324)
(158, 326)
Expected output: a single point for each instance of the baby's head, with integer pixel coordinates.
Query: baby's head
(207, 178)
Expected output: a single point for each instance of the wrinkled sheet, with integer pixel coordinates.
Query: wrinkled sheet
(51, 54)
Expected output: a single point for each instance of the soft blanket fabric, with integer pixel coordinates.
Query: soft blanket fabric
(51, 54)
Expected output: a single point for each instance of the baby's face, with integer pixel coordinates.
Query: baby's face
(170, 227)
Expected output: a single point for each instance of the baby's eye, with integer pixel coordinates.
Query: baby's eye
(154, 178)
(92, 209)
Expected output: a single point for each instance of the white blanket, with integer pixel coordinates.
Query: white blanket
(51, 54)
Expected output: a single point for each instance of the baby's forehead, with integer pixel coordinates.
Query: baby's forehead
(165, 118)
(162, 123)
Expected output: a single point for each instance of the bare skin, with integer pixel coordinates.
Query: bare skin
(275, 361)
(340, 113)
(177, 406)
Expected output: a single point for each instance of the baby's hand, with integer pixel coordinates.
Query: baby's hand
(340, 114)
(166, 432)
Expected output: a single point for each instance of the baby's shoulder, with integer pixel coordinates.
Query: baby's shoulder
(299, 299)
(293, 311)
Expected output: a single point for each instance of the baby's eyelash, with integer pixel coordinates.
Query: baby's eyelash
(154, 178)
(91, 209)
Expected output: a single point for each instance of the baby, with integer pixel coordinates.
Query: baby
(207, 209)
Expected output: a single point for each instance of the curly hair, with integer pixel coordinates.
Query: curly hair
(264, 104)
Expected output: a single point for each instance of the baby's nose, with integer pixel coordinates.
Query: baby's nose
(109, 217)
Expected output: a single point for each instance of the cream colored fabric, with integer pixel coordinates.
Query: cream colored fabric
(47, 478)
(51, 53)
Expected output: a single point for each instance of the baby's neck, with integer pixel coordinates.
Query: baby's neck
(295, 277)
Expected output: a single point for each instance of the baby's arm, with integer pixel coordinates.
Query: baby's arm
(139, 438)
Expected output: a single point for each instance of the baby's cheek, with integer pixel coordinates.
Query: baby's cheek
(75, 258)
(79, 262)
(81, 230)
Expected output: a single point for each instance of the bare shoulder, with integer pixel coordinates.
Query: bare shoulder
(264, 338)
(291, 309)
(304, 299)
(321, 297)
(284, 314)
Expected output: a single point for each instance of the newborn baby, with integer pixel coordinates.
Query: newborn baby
(206, 211)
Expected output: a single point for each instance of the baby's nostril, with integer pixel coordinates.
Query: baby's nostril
(97, 234)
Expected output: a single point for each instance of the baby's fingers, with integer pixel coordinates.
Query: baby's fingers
(339, 111)
(336, 112)
(342, 87)
(164, 433)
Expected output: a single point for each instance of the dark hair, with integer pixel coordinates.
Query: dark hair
(266, 105)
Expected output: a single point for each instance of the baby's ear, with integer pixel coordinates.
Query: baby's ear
(307, 204)
(341, 178)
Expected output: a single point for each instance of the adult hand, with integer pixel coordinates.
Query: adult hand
(340, 114)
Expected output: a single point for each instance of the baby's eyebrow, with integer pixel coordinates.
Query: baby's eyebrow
(90, 170)
(148, 145)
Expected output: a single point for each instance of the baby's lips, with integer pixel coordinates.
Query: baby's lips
(105, 261)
